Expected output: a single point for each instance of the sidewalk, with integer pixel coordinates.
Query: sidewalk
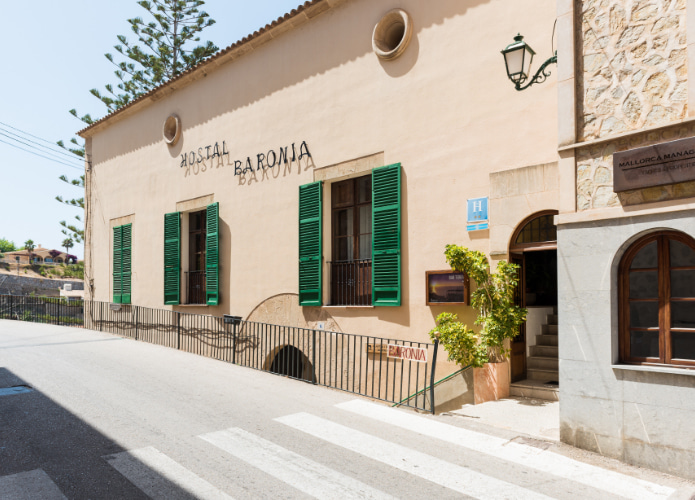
(535, 417)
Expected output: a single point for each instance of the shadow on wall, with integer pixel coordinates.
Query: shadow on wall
(285, 64)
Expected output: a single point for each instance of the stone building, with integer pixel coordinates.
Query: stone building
(312, 173)
(625, 242)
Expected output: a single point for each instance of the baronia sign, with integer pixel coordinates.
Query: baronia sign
(410, 353)
(657, 165)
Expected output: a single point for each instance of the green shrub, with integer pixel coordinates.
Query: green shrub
(498, 316)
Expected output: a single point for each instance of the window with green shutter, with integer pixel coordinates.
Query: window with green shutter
(310, 243)
(386, 235)
(122, 263)
(212, 255)
(172, 258)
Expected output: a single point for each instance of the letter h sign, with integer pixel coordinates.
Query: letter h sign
(477, 214)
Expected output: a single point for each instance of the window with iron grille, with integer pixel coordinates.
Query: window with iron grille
(351, 242)
(195, 276)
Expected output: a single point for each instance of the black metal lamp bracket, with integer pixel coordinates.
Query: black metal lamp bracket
(540, 76)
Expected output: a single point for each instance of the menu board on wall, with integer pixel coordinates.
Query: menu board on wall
(446, 287)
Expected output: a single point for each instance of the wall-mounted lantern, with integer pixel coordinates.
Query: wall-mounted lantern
(518, 57)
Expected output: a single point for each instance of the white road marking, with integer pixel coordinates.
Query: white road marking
(295, 470)
(29, 486)
(158, 476)
(419, 464)
(528, 456)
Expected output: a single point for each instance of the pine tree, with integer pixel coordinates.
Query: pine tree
(167, 47)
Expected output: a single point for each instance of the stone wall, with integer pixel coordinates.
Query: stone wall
(20, 285)
(595, 171)
(633, 70)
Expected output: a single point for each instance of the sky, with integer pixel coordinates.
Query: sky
(52, 55)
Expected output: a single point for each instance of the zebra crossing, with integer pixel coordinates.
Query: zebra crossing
(161, 477)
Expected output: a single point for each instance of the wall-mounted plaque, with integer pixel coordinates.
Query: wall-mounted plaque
(656, 165)
(446, 287)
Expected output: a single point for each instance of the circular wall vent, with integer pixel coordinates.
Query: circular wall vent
(392, 34)
(172, 129)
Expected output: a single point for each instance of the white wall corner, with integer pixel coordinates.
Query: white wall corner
(567, 123)
(567, 172)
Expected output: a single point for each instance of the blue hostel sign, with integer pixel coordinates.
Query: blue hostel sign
(477, 214)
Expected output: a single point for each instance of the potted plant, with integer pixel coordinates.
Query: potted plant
(499, 319)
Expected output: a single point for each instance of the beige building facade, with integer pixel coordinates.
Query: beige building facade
(307, 100)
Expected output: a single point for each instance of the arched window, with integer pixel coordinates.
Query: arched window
(657, 300)
(536, 232)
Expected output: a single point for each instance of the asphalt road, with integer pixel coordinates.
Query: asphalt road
(93, 415)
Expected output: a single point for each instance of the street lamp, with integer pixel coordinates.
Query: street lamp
(518, 57)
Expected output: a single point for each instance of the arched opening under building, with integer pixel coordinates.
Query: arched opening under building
(292, 362)
(533, 247)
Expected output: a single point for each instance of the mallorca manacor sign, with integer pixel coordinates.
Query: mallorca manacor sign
(657, 165)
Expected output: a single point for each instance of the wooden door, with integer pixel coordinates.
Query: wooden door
(518, 343)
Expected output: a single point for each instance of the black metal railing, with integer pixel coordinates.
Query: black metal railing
(395, 371)
(351, 282)
(195, 287)
(53, 310)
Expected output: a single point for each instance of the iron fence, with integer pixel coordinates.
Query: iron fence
(390, 370)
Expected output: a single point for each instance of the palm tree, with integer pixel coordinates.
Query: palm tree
(67, 244)
(29, 247)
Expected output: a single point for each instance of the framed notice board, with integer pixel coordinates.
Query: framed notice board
(446, 287)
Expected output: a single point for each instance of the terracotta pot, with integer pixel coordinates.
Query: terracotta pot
(491, 382)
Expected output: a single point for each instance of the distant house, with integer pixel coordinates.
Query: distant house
(39, 255)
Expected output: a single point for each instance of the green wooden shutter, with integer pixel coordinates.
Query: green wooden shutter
(386, 235)
(310, 244)
(117, 264)
(172, 257)
(212, 255)
(126, 250)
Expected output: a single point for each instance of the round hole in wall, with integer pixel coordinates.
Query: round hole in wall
(392, 34)
(172, 129)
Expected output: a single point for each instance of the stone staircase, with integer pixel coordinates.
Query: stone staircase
(542, 375)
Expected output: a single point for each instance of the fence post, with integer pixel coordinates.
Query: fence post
(313, 357)
(234, 332)
(136, 322)
(178, 330)
(434, 365)
(60, 301)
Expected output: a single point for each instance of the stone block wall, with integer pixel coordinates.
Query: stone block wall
(633, 66)
(20, 285)
(595, 171)
(640, 417)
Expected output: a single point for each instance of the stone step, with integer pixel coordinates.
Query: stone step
(543, 363)
(546, 351)
(551, 319)
(542, 374)
(548, 329)
(546, 340)
(535, 389)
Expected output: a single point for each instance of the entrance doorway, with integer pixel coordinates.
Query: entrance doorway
(534, 356)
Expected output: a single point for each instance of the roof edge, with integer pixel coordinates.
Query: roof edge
(291, 20)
